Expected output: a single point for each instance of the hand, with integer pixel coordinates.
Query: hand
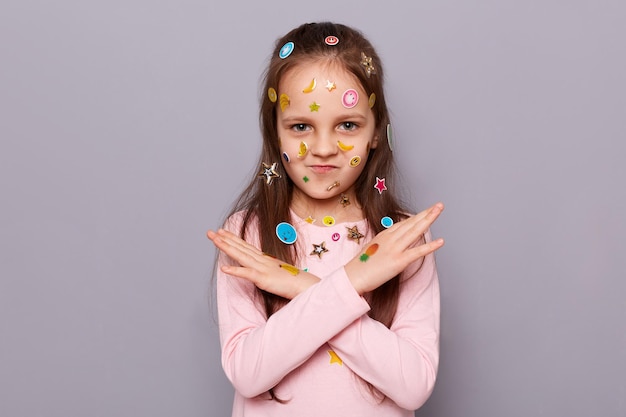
(264, 271)
(393, 250)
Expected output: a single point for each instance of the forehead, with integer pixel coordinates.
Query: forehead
(322, 71)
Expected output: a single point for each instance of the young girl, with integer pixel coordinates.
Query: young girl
(328, 297)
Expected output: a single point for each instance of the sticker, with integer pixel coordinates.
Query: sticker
(319, 250)
(334, 358)
(283, 100)
(344, 147)
(380, 185)
(314, 107)
(344, 200)
(366, 61)
(328, 220)
(290, 268)
(286, 233)
(286, 50)
(335, 237)
(387, 222)
(271, 93)
(330, 85)
(372, 100)
(286, 157)
(354, 234)
(368, 252)
(303, 149)
(305, 179)
(355, 161)
(269, 172)
(390, 136)
(310, 87)
(309, 220)
(331, 40)
(350, 98)
(333, 185)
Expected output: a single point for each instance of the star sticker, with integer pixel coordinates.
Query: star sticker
(366, 61)
(344, 200)
(334, 358)
(314, 106)
(354, 234)
(330, 85)
(319, 249)
(310, 220)
(380, 185)
(269, 172)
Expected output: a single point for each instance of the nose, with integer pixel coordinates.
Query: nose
(324, 146)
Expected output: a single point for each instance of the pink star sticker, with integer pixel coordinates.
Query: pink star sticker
(380, 185)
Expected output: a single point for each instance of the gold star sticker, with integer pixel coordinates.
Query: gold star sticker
(330, 85)
(309, 220)
(354, 234)
(344, 200)
(314, 106)
(366, 61)
(334, 358)
(269, 172)
(319, 250)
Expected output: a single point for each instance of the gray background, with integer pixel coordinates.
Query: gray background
(128, 126)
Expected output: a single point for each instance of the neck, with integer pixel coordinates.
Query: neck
(335, 206)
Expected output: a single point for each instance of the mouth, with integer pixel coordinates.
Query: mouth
(322, 169)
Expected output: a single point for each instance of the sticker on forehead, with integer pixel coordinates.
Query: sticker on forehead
(355, 161)
(286, 50)
(350, 98)
(331, 40)
(309, 88)
(284, 101)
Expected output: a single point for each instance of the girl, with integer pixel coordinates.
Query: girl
(328, 297)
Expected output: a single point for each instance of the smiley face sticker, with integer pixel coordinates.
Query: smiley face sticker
(350, 98)
(286, 233)
(355, 161)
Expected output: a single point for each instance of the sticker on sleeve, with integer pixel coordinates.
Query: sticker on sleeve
(286, 233)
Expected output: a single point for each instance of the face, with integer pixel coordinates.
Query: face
(326, 129)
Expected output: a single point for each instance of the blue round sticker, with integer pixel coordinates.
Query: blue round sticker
(286, 50)
(286, 233)
(387, 222)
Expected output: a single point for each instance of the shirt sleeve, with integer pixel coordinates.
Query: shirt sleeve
(401, 362)
(257, 353)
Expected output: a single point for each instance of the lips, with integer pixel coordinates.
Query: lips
(322, 169)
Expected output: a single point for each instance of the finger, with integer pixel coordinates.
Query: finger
(236, 241)
(420, 251)
(240, 272)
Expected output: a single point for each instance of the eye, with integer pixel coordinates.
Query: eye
(300, 127)
(348, 126)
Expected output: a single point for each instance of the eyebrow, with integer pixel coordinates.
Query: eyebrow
(300, 119)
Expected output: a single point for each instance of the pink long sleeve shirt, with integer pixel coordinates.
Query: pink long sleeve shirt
(320, 348)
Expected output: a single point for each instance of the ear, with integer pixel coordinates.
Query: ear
(374, 142)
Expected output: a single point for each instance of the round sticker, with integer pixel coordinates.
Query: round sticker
(387, 222)
(355, 161)
(331, 40)
(372, 100)
(350, 98)
(271, 93)
(286, 50)
(336, 237)
(328, 220)
(286, 157)
(286, 233)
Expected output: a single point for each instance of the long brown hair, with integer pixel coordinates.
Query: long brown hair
(267, 206)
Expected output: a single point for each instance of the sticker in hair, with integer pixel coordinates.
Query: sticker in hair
(368, 252)
(372, 100)
(314, 107)
(328, 220)
(355, 161)
(331, 40)
(380, 185)
(303, 149)
(350, 98)
(286, 233)
(286, 50)
(390, 136)
(343, 146)
(269, 172)
(271, 94)
(387, 222)
(330, 85)
(354, 234)
(319, 250)
(283, 100)
(366, 61)
(286, 157)
(309, 88)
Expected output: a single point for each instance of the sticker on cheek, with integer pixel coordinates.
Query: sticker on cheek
(303, 149)
(343, 146)
(355, 161)
(286, 157)
(350, 98)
